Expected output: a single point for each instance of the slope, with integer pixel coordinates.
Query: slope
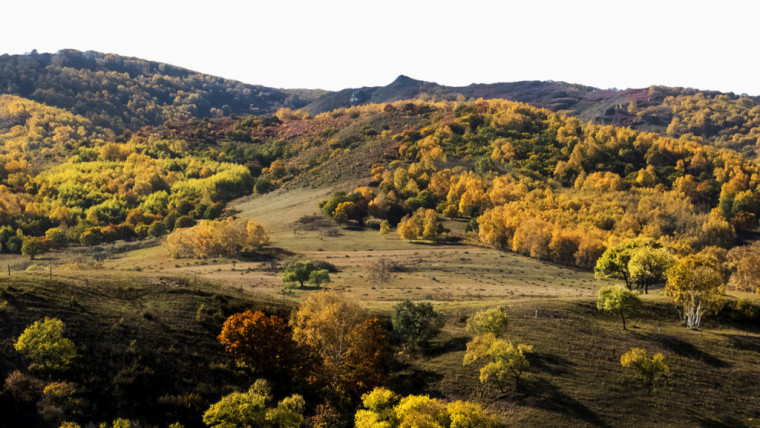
(123, 93)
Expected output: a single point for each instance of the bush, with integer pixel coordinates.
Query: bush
(184, 221)
(157, 229)
(416, 322)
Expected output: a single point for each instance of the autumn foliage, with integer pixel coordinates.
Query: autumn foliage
(215, 238)
(259, 342)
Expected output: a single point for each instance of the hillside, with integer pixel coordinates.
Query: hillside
(41, 135)
(122, 93)
(724, 120)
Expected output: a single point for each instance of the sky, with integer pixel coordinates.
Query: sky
(338, 44)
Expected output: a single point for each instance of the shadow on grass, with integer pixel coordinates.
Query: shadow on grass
(439, 348)
(686, 349)
(267, 254)
(709, 422)
(543, 395)
(744, 343)
(548, 363)
(413, 381)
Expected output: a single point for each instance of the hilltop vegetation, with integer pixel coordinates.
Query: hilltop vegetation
(121, 93)
(710, 117)
(39, 135)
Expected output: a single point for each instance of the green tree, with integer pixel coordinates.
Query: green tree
(695, 283)
(416, 322)
(298, 271)
(157, 228)
(32, 247)
(505, 361)
(288, 413)
(648, 266)
(495, 320)
(618, 299)
(319, 277)
(650, 369)
(44, 345)
(614, 261)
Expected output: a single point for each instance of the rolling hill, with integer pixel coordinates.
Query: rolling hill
(123, 93)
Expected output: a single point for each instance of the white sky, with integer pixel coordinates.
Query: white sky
(337, 44)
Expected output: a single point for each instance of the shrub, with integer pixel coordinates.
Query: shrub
(416, 322)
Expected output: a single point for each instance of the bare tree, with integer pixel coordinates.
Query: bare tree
(379, 272)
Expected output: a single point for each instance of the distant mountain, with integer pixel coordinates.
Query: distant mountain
(123, 93)
(710, 117)
(553, 95)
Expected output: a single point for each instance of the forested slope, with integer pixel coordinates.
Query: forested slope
(122, 93)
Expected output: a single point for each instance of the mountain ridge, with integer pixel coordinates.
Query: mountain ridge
(127, 93)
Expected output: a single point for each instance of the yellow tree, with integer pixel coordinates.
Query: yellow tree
(696, 285)
(504, 361)
(650, 369)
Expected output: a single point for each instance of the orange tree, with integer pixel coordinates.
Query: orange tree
(259, 342)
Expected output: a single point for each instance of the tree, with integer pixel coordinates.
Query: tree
(324, 321)
(157, 228)
(744, 264)
(618, 299)
(344, 212)
(288, 413)
(256, 236)
(422, 224)
(385, 228)
(43, 343)
(300, 272)
(505, 361)
(494, 321)
(32, 247)
(319, 277)
(378, 272)
(408, 229)
(216, 238)
(650, 369)
(416, 322)
(325, 416)
(352, 350)
(464, 414)
(381, 408)
(250, 410)
(378, 409)
(421, 411)
(696, 285)
(648, 266)
(260, 342)
(614, 261)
